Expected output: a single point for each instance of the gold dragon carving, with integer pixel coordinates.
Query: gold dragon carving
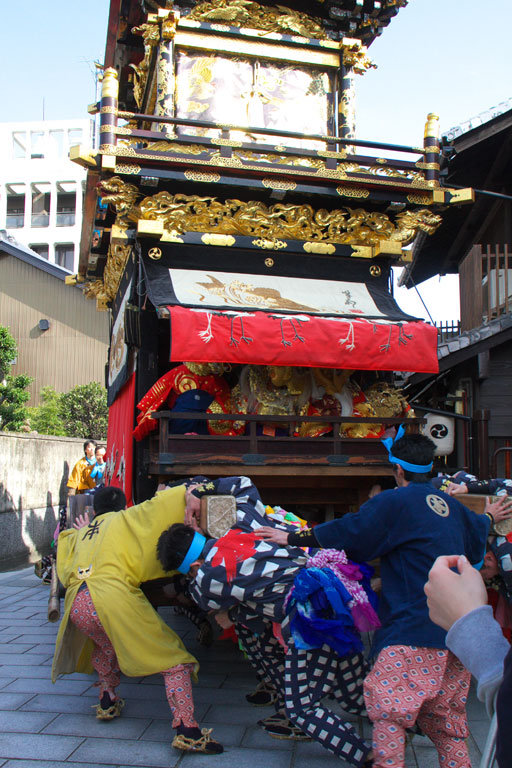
(192, 213)
(241, 13)
(356, 57)
(150, 32)
(117, 259)
(105, 290)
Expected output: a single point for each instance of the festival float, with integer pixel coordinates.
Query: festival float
(242, 239)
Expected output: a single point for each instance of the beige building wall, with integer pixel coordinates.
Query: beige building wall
(74, 348)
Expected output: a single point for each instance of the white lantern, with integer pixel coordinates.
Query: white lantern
(441, 430)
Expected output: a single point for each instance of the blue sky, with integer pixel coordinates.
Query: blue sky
(452, 57)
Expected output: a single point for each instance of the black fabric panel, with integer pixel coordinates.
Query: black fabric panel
(252, 262)
(161, 293)
(123, 375)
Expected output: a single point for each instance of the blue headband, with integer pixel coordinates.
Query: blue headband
(388, 443)
(195, 549)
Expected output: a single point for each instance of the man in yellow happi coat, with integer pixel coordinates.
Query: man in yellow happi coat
(108, 623)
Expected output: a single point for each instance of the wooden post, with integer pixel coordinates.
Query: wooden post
(53, 600)
(432, 147)
(165, 69)
(346, 106)
(481, 419)
(108, 108)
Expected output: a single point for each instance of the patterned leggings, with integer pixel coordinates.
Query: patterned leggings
(104, 660)
(302, 679)
(424, 685)
(178, 686)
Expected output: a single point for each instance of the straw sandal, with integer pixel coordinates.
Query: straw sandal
(263, 695)
(281, 727)
(204, 743)
(110, 712)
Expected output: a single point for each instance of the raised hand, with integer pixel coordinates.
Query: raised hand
(81, 521)
(500, 510)
(451, 595)
(272, 534)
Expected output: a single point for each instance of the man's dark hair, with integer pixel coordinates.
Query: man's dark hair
(90, 442)
(415, 449)
(173, 545)
(108, 499)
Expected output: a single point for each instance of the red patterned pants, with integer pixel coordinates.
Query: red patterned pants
(178, 685)
(178, 688)
(104, 660)
(427, 686)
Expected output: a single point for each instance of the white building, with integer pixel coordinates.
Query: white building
(41, 190)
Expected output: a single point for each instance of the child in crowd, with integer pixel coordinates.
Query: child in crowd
(98, 471)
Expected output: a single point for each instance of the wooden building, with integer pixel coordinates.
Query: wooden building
(62, 340)
(235, 226)
(476, 242)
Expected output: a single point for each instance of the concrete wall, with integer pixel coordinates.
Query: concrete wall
(33, 474)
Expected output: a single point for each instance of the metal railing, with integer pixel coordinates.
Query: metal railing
(65, 219)
(15, 220)
(448, 329)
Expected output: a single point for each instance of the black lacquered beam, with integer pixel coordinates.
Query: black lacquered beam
(269, 132)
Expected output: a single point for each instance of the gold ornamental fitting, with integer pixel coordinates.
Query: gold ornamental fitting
(432, 126)
(110, 84)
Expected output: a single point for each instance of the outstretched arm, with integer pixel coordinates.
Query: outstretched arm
(304, 538)
(499, 510)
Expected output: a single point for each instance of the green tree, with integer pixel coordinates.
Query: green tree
(13, 389)
(45, 418)
(84, 411)
(8, 351)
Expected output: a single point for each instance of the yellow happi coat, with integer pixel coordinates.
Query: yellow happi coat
(113, 555)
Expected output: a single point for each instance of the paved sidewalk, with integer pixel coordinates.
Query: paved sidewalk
(48, 726)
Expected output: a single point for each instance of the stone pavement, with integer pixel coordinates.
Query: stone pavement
(52, 726)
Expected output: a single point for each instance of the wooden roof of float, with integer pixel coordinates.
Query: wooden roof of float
(480, 158)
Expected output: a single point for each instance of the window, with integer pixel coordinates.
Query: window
(40, 248)
(40, 206)
(56, 143)
(74, 136)
(15, 211)
(66, 206)
(65, 255)
(19, 144)
(36, 145)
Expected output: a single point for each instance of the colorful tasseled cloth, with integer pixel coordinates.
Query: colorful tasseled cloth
(329, 603)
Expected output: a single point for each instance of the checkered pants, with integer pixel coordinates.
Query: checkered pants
(266, 656)
(302, 679)
(427, 686)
